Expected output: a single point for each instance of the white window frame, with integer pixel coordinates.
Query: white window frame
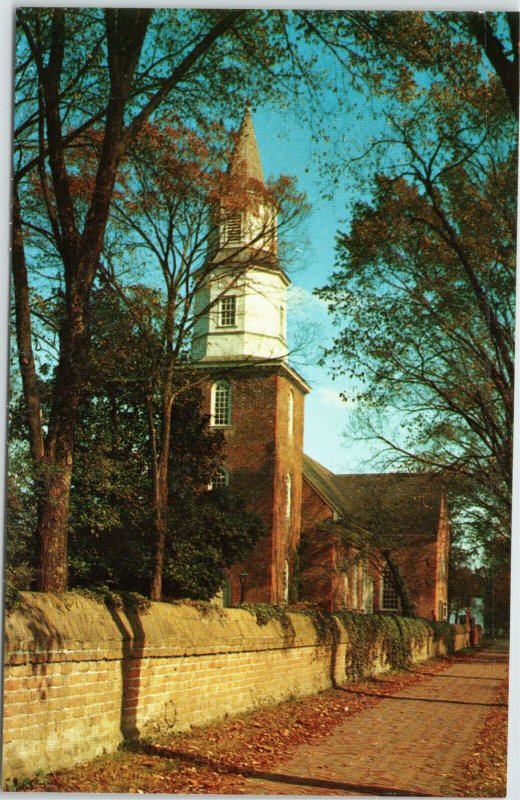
(288, 496)
(227, 311)
(220, 411)
(290, 413)
(354, 587)
(388, 589)
(221, 479)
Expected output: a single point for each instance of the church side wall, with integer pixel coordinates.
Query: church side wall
(79, 677)
(317, 569)
(418, 565)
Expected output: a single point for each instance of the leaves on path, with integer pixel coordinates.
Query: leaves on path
(485, 772)
(216, 758)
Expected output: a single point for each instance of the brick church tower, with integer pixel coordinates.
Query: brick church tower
(251, 392)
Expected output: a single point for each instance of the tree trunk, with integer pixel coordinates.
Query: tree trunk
(160, 469)
(159, 541)
(53, 512)
(407, 606)
(53, 458)
(80, 254)
(505, 68)
(125, 34)
(160, 528)
(54, 501)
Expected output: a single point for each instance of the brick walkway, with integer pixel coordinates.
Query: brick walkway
(413, 743)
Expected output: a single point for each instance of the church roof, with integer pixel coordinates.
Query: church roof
(408, 502)
(245, 161)
(324, 482)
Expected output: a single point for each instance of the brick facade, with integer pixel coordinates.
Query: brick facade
(424, 567)
(259, 454)
(317, 551)
(335, 576)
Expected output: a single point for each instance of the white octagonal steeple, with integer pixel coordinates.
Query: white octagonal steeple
(241, 305)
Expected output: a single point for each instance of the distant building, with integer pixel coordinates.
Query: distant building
(257, 399)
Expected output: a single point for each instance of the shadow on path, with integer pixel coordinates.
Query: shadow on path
(461, 677)
(274, 777)
(319, 783)
(423, 699)
(487, 657)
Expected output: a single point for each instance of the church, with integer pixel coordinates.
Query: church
(253, 394)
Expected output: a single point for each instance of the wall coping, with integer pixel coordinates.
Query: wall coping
(65, 627)
(49, 628)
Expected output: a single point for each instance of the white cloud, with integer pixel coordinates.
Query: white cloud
(331, 397)
(303, 304)
(309, 326)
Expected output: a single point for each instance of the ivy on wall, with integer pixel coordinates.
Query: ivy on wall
(369, 635)
(392, 637)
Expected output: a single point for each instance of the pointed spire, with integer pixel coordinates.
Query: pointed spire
(245, 161)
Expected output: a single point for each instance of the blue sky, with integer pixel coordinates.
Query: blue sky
(286, 146)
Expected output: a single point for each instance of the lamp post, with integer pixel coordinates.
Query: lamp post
(242, 578)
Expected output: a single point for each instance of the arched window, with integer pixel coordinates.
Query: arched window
(221, 404)
(354, 586)
(286, 574)
(221, 479)
(288, 496)
(345, 589)
(363, 577)
(389, 597)
(290, 412)
(368, 590)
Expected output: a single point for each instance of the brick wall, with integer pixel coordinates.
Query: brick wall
(418, 566)
(324, 560)
(249, 458)
(316, 550)
(80, 677)
(259, 453)
(424, 567)
(289, 461)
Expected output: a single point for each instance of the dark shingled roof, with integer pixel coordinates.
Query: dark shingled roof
(408, 503)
